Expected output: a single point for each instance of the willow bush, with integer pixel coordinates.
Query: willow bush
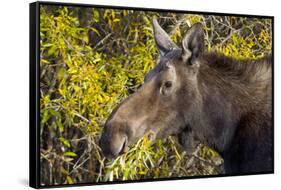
(91, 59)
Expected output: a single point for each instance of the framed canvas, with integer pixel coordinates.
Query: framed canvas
(122, 94)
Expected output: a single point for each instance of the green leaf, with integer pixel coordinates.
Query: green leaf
(69, 180)
(96, 31)
(96, 16)
(47, 45)
(86, 38)
(55, 113)
(64, 141)
(71, 154)
(45, 61)
(46, 116)
(116, 20)
(60, 126)
(67, 159)
(51, 50)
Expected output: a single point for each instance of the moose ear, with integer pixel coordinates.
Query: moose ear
(162, 39)
(193, 43)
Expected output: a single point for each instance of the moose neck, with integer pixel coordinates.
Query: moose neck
(220, 83)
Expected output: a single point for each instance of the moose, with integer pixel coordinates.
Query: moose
(200, 97)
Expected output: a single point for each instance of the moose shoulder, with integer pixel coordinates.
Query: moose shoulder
(200, 96)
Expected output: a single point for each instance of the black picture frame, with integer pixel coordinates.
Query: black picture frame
(34, 90)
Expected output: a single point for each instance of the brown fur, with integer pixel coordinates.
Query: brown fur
(200, 97)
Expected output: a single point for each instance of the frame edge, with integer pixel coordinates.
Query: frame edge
(34, 159)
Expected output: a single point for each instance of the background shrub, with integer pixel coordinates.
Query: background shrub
(91, 59)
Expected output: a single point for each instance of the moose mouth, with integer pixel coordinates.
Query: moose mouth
(113, 145)
(111, 153)
(123, 147)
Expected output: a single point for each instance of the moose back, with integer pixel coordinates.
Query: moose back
(201, 97)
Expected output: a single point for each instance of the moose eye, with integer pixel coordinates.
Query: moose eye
(168, 84)
(166, 88)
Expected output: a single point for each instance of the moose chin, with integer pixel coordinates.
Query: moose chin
(200, 96)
